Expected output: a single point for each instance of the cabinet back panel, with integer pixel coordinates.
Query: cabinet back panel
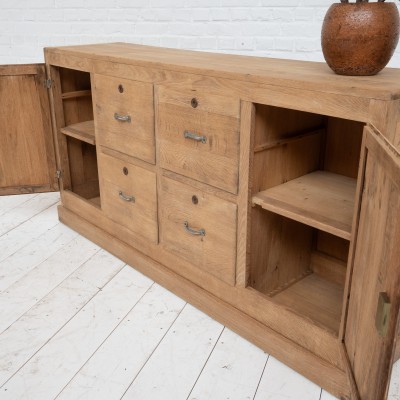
(285, 162)
(275, 123)
(78, 109)
(280, 251)
(343, 146)
(72, 80)
(333, 246)
(83, 168)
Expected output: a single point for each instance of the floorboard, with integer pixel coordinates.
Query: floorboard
(41, 280)
(75, 343)
(280, 382)
(232, 371)
(28, 209)
(23, 339)
(111, 370)
(75, 323)
(28, 231)
(175, 365)
(7, 203)
(26, 258)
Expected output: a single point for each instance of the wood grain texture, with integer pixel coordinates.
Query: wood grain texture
(136, 137)
(139, 215)
(57, 118)
(343, 146)
(311, 200)
(297, 74)
(77, 93)
(247, 127)
(280, 251)
(303, 118)
(297, 328)
(288, 161)
(316, 298)
(216, 118)
(275, 124)
(27, 158)
(83, 168)
(369, 353)
(335, 246)
(215, 252)
(83, 131)
(329, 268)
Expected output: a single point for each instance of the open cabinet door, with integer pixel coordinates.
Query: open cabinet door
(375, 289)
(27, 158)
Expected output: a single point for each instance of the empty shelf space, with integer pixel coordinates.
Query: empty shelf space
(321, 199)
(83, 131)
(316, 298)
(77, 93)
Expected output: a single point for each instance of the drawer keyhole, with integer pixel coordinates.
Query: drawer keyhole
(195, 200)
(120, 88)
(125, 171)
(194, 103)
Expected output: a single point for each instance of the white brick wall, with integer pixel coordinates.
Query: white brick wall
(274, 28)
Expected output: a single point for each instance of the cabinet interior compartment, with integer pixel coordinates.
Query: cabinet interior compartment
(304, 179)
(78, 127)
(76, 96)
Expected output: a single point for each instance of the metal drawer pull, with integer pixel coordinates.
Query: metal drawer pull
(125, 197)
(200, 232)
(122, 118)
(198, 138)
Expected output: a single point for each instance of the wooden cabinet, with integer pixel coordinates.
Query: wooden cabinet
(265, 192)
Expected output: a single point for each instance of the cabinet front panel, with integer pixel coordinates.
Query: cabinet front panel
(129, 196)
(199, 136)
(199, 227)
(124, 116)
(27, 159)
(375, 289)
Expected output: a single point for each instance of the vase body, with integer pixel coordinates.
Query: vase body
(360, 38)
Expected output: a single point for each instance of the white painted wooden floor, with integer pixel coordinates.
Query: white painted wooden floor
(77, 323)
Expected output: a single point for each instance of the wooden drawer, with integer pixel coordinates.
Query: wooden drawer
(124, 115)
(185, 212)
(199, 136)
(129, 196)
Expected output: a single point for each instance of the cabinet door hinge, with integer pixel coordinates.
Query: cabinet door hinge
(58, 174)
(48, 83)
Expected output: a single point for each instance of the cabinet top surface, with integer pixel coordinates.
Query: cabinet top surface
(298, 74)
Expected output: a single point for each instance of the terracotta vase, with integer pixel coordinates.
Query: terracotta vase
(360, 38)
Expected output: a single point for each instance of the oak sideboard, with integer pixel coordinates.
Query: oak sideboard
(265, 192)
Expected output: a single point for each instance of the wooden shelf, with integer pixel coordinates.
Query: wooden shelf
(316, 298)
(78, 93)
(321, 199)
(83, 131)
